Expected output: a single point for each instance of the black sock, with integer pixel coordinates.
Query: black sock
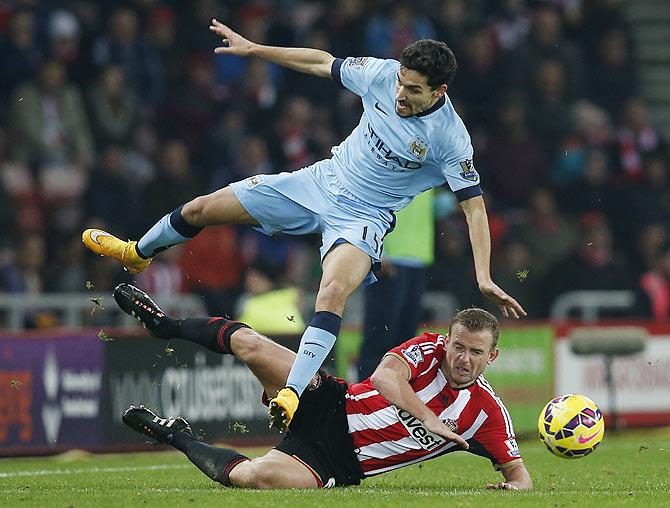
(211, 333)
(167, 328)
(215, 462)
(181, 440)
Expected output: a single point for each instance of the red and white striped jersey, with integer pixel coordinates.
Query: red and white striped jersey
(386, 438)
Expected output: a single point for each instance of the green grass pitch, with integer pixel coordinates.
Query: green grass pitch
(629, 469)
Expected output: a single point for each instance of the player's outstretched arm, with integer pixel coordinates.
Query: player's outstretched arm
(306, 60)
(480, 239)
(390, 379)
(516, 478)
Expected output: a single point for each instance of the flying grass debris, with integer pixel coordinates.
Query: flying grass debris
(240, 427)
(522, 275)
(97, 304)
(103, 336)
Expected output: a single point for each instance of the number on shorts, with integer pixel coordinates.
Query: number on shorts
(375, 238)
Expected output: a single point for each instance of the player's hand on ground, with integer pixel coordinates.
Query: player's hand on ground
(234, 43)
(501, 486)
(436, 426)
(508, 306)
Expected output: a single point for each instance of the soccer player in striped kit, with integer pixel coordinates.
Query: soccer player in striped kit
(428, 397)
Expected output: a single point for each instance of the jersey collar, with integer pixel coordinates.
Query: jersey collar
(440, 102)
(466, 387)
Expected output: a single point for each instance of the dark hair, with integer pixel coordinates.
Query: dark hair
(475, 320)
(431, 58)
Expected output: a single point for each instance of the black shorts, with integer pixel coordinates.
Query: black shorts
(319, 435)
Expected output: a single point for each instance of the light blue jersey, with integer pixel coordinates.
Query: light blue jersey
(379, 168)
(389, 159)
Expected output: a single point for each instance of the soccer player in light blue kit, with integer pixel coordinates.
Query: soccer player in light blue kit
(409, 139)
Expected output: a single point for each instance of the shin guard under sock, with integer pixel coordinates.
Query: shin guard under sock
(211, 333)
(215, 462)
(316, 343)
(167, 232)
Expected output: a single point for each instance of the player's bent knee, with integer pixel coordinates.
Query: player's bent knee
(247, 344)
(242, 475)
(269, 476)
(332, 295)
(266, 477)
(255, 474)
(194, 212)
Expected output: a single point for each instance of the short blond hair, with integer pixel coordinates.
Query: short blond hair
(475, 320)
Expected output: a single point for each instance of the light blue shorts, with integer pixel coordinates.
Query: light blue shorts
(312, 200)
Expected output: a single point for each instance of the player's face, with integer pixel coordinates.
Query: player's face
(468, 353)
(413, 94)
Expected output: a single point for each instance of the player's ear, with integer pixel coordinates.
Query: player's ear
(441, 90)
(493, 354)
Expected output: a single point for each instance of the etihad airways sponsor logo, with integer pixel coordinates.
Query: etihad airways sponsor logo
(386, 156)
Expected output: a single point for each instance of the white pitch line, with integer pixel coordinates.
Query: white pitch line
(47, 472)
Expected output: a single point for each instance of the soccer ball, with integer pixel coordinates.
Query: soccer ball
(571, 426)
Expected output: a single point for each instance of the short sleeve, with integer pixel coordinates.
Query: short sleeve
(358, 73)
(418, 353)
(461, 176)
(496, 438)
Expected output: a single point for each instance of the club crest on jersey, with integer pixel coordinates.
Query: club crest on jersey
(254, 181)
(413, 355)
(359, 61)
(469, 172)
(419, 147)
(452, 424)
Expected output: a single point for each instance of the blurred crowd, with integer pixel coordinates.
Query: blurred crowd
(114, 113)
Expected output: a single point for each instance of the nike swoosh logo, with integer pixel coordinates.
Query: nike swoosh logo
(584, 440)
(95, 234)
(380, 109)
